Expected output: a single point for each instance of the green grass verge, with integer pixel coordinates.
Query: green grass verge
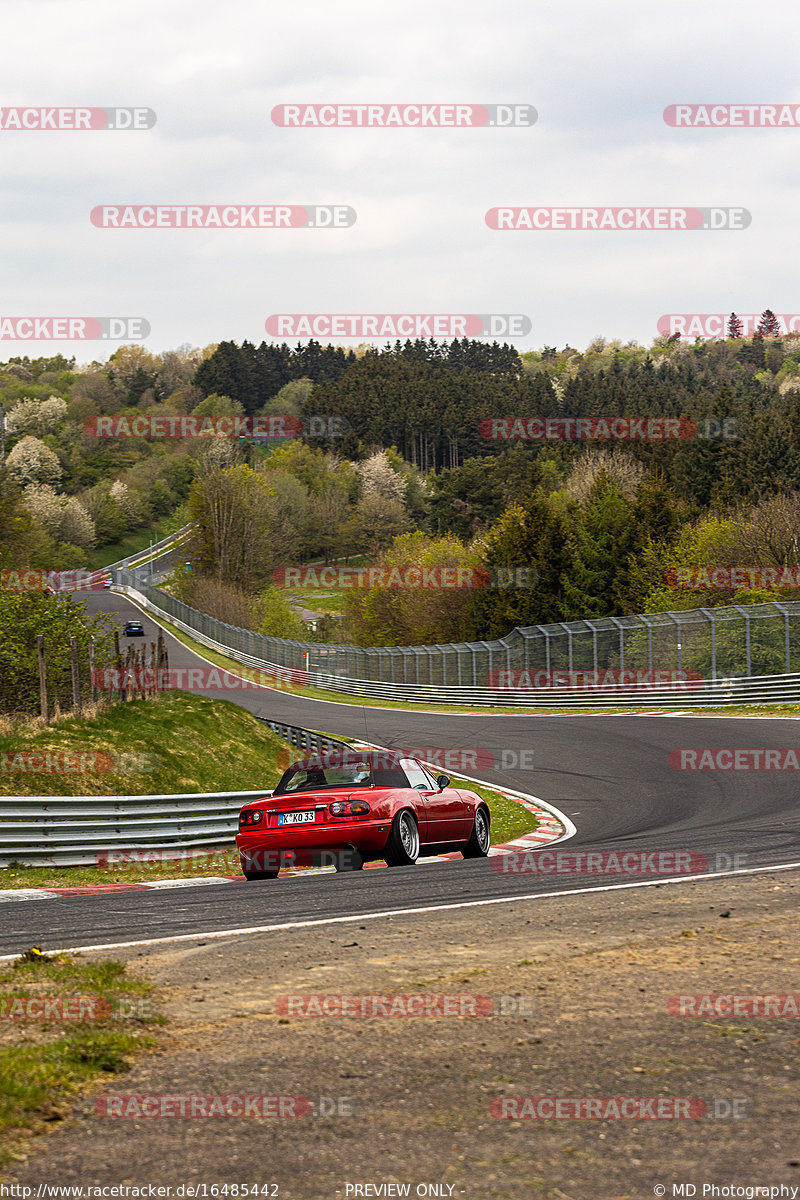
(177, 742)
(44, 1064)
(313, 601)
(509, 819)
(134, 543)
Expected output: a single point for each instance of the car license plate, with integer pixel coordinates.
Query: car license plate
(297, 818)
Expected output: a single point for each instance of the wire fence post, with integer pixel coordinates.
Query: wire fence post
(707, 612)
(786, 641)
(746, 636)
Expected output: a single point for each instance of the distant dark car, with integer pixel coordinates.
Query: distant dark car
(133, 629)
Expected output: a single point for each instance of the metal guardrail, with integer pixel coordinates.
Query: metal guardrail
(134, 561)
(304, 739)
(70, 831)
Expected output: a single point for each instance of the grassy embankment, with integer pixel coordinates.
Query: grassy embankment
(132, 544)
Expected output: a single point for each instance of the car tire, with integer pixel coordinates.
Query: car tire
(260, 874)
(481, 837)
(402, 846)
(348, 860)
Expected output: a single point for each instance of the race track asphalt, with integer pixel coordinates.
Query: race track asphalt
(610, 775)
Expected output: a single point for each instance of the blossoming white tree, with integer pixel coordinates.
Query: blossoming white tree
(63, 517)
(36, 416)
(31, 462)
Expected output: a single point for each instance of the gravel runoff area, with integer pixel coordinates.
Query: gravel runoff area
(580, 991)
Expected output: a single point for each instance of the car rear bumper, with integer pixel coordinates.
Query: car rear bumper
(302, 845)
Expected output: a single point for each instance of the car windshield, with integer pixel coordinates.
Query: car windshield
(342, 771)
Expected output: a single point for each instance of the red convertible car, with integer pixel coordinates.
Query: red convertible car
(345, 808)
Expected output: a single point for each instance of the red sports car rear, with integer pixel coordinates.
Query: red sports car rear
(345, 808)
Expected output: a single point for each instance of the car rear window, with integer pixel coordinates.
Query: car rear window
(350, 774)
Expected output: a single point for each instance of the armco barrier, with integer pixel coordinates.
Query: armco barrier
(70, 831)
(141, 557)
(304, 739)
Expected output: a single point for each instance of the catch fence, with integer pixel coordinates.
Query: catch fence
(706, 655)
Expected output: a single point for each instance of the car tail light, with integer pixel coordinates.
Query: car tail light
(251, 816)
(348, 808)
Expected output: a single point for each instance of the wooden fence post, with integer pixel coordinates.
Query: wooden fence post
(162, 661)
(42, 677)
(118, 665)
(76, 679)
(153, 669)
(92, 669)
(126, 690)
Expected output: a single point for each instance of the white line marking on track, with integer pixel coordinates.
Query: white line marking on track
(176, 883)
(26, 894)
(407, 912)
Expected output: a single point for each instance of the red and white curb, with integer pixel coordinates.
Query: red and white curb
(552, 825)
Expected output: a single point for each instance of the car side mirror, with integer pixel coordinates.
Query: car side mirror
(443, 781)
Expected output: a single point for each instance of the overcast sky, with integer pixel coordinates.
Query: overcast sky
(599, 76)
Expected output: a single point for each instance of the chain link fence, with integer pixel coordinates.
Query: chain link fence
(698, 645)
